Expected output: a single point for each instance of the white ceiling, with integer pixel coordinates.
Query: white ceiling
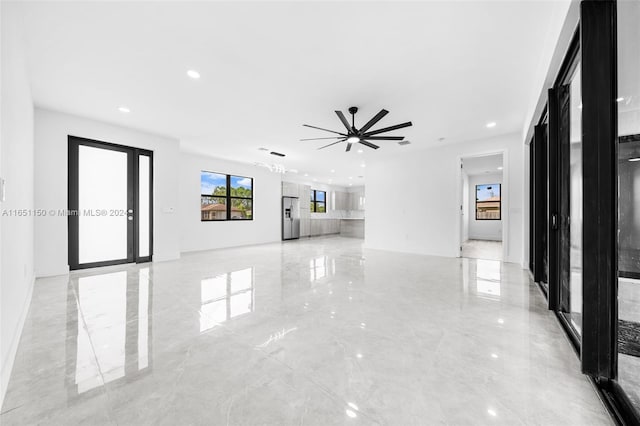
(483, 164)
(269, 67)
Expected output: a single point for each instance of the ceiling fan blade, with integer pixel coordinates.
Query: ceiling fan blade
(374, 120)
(327, 146)
(348, 147)
(369, 144)
(317, 139)
(344, 120)
(385, 138)
(326, 130)
(388, 129)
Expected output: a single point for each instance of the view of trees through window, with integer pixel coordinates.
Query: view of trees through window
(318, 201)
(488, 202)
(225, 197)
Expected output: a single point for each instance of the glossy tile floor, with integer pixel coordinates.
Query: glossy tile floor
(482, 249)
(314, 332)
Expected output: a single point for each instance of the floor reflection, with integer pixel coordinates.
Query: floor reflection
(320, 267)
(110, 318)
(488, 278)
(226, 296)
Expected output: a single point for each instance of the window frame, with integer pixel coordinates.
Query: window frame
(314, 201)
(500, 202)
(227, 197)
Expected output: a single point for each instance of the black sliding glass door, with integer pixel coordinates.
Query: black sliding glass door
(593, 209)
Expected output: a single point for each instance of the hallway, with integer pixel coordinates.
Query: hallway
(306, 332)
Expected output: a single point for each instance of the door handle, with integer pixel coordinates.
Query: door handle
(554, 221)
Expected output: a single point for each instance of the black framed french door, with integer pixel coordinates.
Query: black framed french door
(565, 193)
(539, 205)
(110, 201)
(592, 157)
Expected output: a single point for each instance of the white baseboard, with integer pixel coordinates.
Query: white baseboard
(7, 364)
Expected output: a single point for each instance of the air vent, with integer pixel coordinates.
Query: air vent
(404, 143)
(276, 153)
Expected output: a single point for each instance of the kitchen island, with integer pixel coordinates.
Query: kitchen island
(352, 227)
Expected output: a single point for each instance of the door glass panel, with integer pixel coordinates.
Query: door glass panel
(628, 102)
(575, 202)
(144, 165)
(102, 196)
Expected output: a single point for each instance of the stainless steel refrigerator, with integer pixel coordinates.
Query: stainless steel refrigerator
(290, 218)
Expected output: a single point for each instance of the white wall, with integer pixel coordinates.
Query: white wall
(16, 167)
(413, 200)
(482, 229)
(197, 235)
(51, 139)
(465, 207)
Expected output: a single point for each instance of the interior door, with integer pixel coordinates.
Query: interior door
(110, 204)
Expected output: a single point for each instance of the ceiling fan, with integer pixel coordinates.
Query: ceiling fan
(362, 135)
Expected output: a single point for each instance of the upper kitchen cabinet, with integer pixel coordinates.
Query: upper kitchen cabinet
(290, 189)
(340, 200)
(356, 200)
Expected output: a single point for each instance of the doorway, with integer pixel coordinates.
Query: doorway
(481, 208)
(110, 204)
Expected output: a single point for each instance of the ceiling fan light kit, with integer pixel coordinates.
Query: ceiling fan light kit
(363, 135)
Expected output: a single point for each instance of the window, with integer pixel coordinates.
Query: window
(318, 201)
(488, 202)
(225, 197)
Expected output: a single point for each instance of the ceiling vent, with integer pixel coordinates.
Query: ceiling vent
(403, 143)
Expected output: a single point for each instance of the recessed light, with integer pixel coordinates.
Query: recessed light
(620, 99)
(350, 184)
(306, 174)
(500, 321)
(633, 160)
(492, 412)
(491, 124)
(500, 168)
(360, 151)
(333, 171)
(359, 355)
(363, 165)
(350, 177)
(124, 109)
(193, 74)
(351, 414)
(494, 356)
